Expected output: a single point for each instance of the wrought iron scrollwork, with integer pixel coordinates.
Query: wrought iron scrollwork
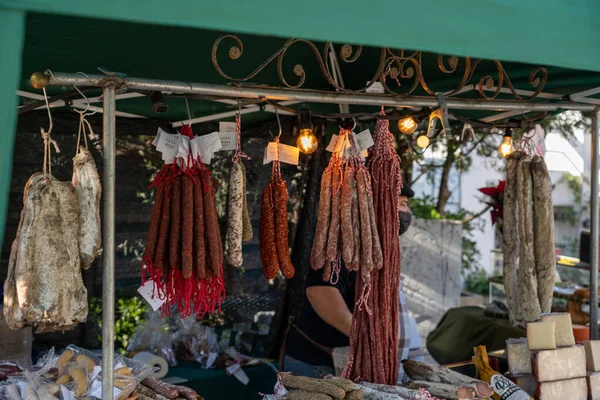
(392, 66)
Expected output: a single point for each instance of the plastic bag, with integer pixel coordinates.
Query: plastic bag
(156, 337)
(135, 369)
(195, 341)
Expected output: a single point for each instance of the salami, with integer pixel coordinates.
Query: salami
(317, 256)
(281, 229)
(246, 222)
(187, 223)
(162, 246)
(268, 247)
(213, 235)
(377, 254)
(347, 222)
(199, 245)
(510, 237)
(175, 241)
(235, 223)
(171, 392)
(356, 228)
(366, 260)
(545, 258)
(335, 223)
(152, 240)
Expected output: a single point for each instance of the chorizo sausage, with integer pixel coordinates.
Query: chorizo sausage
(356, 228)
(346, 205)
(152, 241)
(199, 245)
(366, 243)
(334, 224)
(213, 235)
(175, 244)
(268, 248)
(162, 246)
(187, 222)
(281, 229)
(376, 242)
(317, 256)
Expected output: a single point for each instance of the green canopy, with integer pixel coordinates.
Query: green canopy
(172, 40)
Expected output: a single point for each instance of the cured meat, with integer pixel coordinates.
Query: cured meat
(268, 247)
(356, 228)
(162, 246)
(87, 183)
(317, 256)
(152, 240)
(45, 288)
(235, 222)
(529, 305)
(511, 237)
(247, 233)
(213, 235)
(335, 222)
(377, 254)
(281, 228)
(543, 233)
(199, 240)
(366, 260)
(187, 225)
(348, 187)
(175, 243)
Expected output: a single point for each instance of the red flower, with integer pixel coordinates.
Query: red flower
(497, 195)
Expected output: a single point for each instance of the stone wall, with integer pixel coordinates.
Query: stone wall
(431, 269)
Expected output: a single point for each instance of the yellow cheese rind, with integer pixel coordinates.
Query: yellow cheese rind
(559, 364)
(592, 354)
(571, 389)
(563, 334)
(540, 335)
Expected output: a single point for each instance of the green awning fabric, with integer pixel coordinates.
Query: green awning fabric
(550, 32)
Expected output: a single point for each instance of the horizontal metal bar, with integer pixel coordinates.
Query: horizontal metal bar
(277, 94)
(586, 93)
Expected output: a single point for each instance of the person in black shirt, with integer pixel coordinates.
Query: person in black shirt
(325, 318)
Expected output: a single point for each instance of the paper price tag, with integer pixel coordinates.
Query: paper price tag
(279, 389)
(538, 140)
(159, 132)
(237, 371)
(210, 361)
(376, 87)
(228, 140)
(168, 144)
(184, 149)
(146, 292)
(66, 394)
(227, 127)
(208, 145)
(96, 390)
(95, 372)
(364, 140)
(332, 143)
(287, 154)
(194, 147)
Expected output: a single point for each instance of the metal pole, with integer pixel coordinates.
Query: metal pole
(308, 95)
(595, 226)
(108, 294)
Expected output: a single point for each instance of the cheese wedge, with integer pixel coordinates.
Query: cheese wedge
(592, 354)
(563, 334)
(572, 389)
(540, 335)
(593, 380)
(559, 364)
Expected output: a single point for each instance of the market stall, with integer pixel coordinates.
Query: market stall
(474, 92)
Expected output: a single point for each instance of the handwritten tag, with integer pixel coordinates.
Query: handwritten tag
(376, 87)
(237, 371)
(168, 144)
(159, 132)
(287, 154)
(208, 145)
(146, 291)
(228, 140)
(364, 140)
(227, 127)
(184, 150)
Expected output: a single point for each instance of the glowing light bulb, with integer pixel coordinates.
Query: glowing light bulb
(407, 125)
(506, 147)
(423, 141)
(307, 143)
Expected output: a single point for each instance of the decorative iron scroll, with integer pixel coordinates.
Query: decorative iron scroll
(393, 66)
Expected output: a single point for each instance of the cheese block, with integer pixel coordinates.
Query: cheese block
(559, 364)
(525, 382)
(563, 334)
(571, 389)
(593, 381)
(592, 353)
(519, 356)
(540, 335)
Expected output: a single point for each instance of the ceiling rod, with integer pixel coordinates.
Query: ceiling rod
(277, 94)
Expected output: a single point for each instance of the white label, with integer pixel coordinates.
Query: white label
(376, 87)
(279, 389)
(227, 127)
(96, 390)
(159, 132)
(228, 140)
(194, 147)
(342, 142)
(332, 143)
(208, 145)
(506, 389)
(168, 144)
(95, 372)
(66, 394)
(364, 140)
(212, 357)
(237, 371)
(146, 291)
(184, 147)
(538, 141)
(287, 154)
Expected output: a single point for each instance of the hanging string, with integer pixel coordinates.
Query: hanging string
(238, 135)
(47, 141)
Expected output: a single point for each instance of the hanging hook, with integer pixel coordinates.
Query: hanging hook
(189, 115)
(278, 122)
(87, 104)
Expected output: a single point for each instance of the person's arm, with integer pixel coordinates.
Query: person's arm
(328, 303)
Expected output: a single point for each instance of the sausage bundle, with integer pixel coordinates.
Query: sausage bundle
(346, 200)
(184, 253)
(529, 258)
(374, 334)
(273, 231)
